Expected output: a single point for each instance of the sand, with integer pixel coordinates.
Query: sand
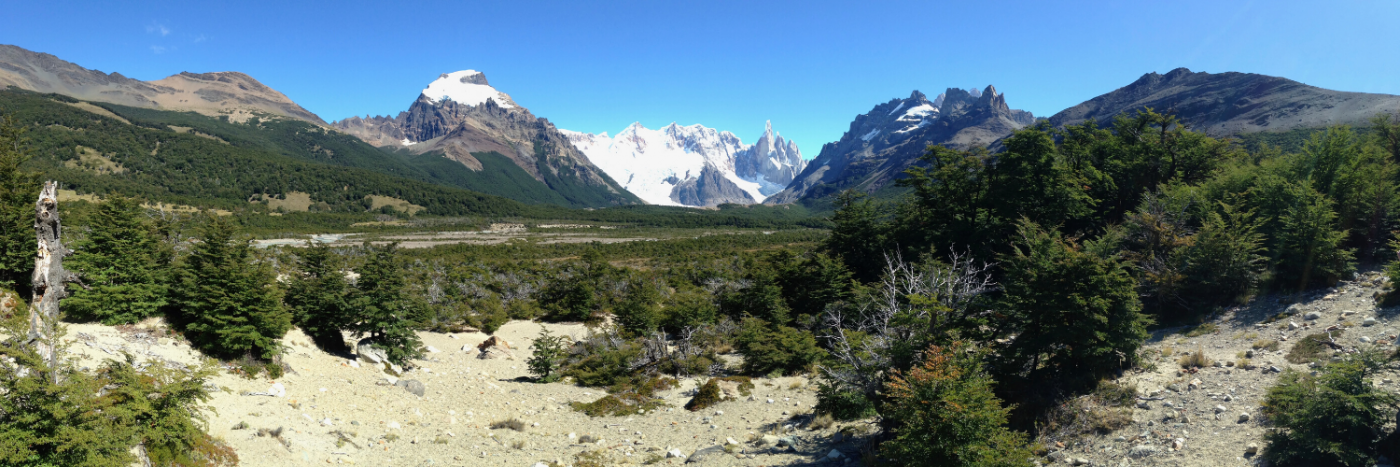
(386, 425)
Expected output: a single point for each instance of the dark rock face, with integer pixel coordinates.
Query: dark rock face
(457, 130)
(771, 159)
(883, 142)
(709, 189)
(1223, 104)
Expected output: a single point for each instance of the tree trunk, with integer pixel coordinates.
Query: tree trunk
(49, 277)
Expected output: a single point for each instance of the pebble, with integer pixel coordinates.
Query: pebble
(675, 454)
(730, 441)
(1365, 340)
(1368, 322)
(1141, 451)
(1220, 408)
(1244, 417)
(1292, 326)
(1312, 315)
(1178, 443)
(1251, 449)
(1143, 405)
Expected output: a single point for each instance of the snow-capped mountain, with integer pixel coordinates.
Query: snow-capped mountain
(461, 117)
(693, 165)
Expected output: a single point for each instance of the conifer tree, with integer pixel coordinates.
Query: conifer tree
(317, 298)
(383, 308)
(118, 261)
(226, 303)
(17, 190)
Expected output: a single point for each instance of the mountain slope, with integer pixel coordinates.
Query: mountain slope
(880, 144)
(693, 165)
(460, 115)
(1223, 104)
(221, 93)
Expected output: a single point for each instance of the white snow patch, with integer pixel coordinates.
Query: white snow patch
(406, 142)
(453, 86)
(918, 112)
(896, 109)
(871, 134)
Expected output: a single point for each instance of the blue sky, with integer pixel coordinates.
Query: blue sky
(809, 66)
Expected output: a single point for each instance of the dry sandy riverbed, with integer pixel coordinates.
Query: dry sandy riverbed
(336, 412)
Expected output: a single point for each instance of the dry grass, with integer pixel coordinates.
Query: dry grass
(294, 201)
(514, 424)
(92, 161)
(1266, 344)
(377, 201)
(1196, 359)
(821, 422)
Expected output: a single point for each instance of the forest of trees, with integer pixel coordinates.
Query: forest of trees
(959, 316)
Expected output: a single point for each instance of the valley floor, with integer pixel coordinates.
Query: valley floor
(338, 412)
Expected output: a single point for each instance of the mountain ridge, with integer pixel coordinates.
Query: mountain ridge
(217, 93)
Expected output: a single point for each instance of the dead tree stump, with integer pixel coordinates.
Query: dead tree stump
(50, 278)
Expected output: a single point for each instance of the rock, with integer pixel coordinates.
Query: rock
(1194, 384)
(1227, 398)
(834, 454)
(277, 390)
(731, 441)
(412, 385)
(1220, 408)
(704, 454)
(1244, 417)
(1251, 449)
(730, 389)
(675, 454)
(767, 440)
(393, 380)
(719, 412)
(1365, 340)
(395, 426)
(1168, 404)
(325, 422)
(1275, 369)
(1143, 405)
(1141, 451)
(1292, 326)
(838, 437)
(467, 348)
(1368, 322)
(354, 364)
(787, 441)
(1249, 353)
(431, 349)
(1079, 461)
(1312, 315)
(1178, 443)
(494, 348)
(366, 350)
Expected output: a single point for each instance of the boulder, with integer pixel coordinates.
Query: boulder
(494, 348)
(412, 385)
(366, 350)
(1312, 315)
(705, 454)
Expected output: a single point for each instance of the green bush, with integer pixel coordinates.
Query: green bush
(768, 348)
(1335, 418)
(640, 311)
(943, 413)
(384, 310)
(546, 357)
(707, 396)
(844, 404)
(603, 362)
(316, 296)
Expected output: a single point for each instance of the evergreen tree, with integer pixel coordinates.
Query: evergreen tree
(118, 261)
(639, 313)
(943, 413)
(18, 190)
(549, 351)
(1076, 315)
(317, 298)
(227, 304)
(857, 236)
(384, 310)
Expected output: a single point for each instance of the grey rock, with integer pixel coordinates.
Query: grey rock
(1141, 451)
(1368, 322)
(366, 350)
(1292, 326)
(1220, 408)
(1364, 340)
(1244, 417)
(705, 454)
(412, 385)
(787, 441)
(1312, 315)
(767, 440)
(1251, 449)
(1143, 405)
(675, 454)
(834, 454)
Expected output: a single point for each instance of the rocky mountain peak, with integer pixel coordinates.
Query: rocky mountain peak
(993, 101)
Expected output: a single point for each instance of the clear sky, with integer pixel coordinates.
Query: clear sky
(808, 66)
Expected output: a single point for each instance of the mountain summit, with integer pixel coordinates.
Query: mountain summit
(881, 143)
(693, 165)
(1223, 104)
(461, 117)
(220, 93)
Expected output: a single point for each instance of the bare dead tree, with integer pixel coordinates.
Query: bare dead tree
(890, 318)
(50, 279)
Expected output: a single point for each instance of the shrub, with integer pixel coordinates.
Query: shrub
(1196, 359)
(545, 359)
(775, 348)
(1334, 418)
(603, 361)
(639, 313)
(844, 405)
(708, 395)
(384, 309)
(943, 412)
(514, 424)
(1310, 347)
